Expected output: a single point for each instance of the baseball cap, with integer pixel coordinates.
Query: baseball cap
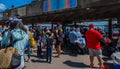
(91, 25)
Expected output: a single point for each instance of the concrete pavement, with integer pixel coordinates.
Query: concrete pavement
(66, 61)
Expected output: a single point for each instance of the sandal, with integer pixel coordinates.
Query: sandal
(91, 65)
(103, 67)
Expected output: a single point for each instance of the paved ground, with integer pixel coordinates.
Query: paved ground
(66, 61)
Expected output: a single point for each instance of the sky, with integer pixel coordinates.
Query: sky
(4, 4)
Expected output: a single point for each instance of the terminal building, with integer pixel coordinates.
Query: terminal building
(66, 11)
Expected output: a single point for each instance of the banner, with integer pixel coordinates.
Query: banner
(52, 5)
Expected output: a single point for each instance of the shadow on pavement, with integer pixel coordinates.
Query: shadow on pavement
(38, 61)
(110, 65)
(34, 56)
(75, 64)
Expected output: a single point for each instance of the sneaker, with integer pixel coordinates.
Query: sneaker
(50, 62)
(91, 65)
(103, 67)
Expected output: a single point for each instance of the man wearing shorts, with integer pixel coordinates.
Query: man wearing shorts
(93, 44)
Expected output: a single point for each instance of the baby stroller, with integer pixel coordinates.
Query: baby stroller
(108, 47)
(116, 59)
(81, 43)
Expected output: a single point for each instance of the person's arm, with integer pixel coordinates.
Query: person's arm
(99, 35)
(52, 42)
(18, 35)
(5, 40)
(76, 36)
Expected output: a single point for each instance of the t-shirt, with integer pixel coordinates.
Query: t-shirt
(49, 42)
(73, 36)
(93, 39)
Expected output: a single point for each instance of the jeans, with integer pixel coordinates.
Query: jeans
(28, 49)
(49, 54)
(39, 51)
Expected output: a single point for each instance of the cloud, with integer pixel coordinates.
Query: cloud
(2, 6)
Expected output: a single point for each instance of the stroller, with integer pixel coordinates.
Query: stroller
(116, 59)
(116, 56)
(108, 47)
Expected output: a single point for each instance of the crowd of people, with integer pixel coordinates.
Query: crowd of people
(76, 40)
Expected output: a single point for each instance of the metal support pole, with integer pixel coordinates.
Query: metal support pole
(110, 28)
(75, 23)
(52, 26)
(32, 25)
(118, 22)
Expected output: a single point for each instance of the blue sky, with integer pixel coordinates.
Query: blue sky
(8, 3)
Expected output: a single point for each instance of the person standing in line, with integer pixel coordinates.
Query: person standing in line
(49, 44)
(93, 44)
(99, 29)
(43, 39)
(19, 36)
(80, 38)
(73, 37)
(58, 42)
(39, 48)
(28, 43)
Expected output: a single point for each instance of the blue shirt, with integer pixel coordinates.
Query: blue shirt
(73, 36)
(21, 37)
(78, 34)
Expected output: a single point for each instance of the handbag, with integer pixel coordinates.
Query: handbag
(32, 42)
(5, 58)
(15, 61)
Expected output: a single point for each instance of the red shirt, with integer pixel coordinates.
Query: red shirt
(93, 39)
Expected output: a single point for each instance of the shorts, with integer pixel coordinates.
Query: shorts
(94, 52)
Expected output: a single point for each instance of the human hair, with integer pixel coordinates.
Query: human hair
(17, 25)
(49, 34)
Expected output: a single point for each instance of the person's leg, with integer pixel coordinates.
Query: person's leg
(71, 47)
(82, 50)
(58, 47)
(91, 60)
(47, 54)
(59, 50)
(50, 54)
(28, 52)
(100, 60)
(74, 49)
(91, 53)
(38, 51)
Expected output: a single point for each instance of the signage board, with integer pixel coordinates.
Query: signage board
(52, 5)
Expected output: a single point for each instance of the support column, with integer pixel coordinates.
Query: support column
(32, 25)
(75, 23)
(52, 26)
(118, 22)
(110, 28)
